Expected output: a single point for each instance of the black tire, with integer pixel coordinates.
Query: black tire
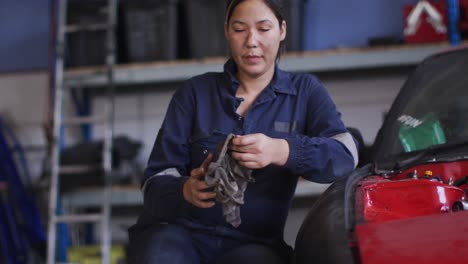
(322, 238)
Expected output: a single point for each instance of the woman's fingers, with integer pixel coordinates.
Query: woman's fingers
(195, 188)
(203, 199)
(243, 156)
(245, 139)
(197, 173)
(244, 148)
(201, 185)
(203, 204)
(207, 161)
(195, 192)
(200, 171)
(258, 150)
(202, 196)
(251, 159)
(251, 165)
(245, 144)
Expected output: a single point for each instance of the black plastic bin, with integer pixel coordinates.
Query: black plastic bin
(150, 30)
(294, 12)
(205, 28)
(85, 48)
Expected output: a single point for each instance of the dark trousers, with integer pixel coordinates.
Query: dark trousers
(177, 244)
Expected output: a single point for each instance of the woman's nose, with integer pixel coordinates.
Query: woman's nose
(252, 41)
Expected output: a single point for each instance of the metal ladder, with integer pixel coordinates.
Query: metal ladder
(104, 215)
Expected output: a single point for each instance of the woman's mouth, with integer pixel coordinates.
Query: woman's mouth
(252, 59)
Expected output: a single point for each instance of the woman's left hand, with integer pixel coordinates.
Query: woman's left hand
(255, 151)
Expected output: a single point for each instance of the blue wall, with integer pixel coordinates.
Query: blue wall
(24, 27)
(24, 35)
(350, 23)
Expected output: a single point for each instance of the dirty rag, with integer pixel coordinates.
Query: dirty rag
(229, 180)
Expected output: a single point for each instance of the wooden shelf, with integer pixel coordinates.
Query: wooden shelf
(307, 61)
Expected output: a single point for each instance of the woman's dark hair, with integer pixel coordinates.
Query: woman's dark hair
(276, 6)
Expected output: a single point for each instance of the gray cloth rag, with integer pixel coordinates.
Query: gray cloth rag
(229, 180)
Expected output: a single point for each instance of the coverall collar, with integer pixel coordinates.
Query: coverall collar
(281, 82)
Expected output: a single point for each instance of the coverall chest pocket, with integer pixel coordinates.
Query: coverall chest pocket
(203, 144)
(285, 129)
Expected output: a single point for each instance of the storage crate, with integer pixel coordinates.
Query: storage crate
(150, 30)
(85, 48)
(294, 12)
(205, 28)
(343, 23)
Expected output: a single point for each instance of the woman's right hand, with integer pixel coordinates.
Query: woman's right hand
(195, 187)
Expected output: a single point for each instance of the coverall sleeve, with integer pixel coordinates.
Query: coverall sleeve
(168, 165)
(327, 150)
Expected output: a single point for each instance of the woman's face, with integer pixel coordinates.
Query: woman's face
(254, 37)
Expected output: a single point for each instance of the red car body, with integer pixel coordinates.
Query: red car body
(410, 203)
(410, 218)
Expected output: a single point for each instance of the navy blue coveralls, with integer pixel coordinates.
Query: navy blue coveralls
(294, 106)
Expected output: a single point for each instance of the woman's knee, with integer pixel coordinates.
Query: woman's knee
(163, 243)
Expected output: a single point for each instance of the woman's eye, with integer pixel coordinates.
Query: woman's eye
(238, 28)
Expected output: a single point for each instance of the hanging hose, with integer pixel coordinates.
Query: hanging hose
(17, 147)
(26, 216)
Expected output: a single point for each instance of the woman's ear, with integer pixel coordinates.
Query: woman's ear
(283, 30)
